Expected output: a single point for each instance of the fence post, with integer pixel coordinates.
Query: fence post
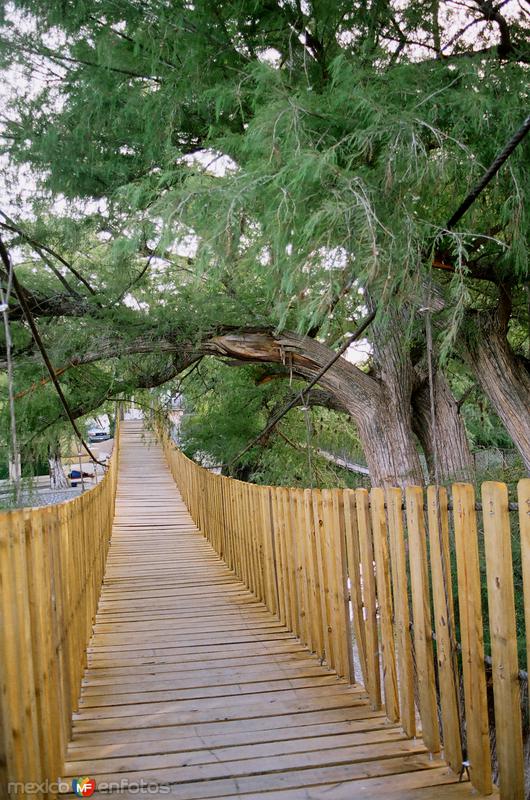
(384, 597)
(523, 497)
(472, 637)
(444, 622)
(421, 612)
(503, 636)
(368, 582)
(323, 579)
(354, 566)
(401, 609)
(296, 500)
(317, 631)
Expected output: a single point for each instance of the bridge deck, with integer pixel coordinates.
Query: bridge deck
(191, 683)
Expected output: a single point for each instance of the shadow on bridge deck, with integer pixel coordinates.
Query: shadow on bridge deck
(194, 687)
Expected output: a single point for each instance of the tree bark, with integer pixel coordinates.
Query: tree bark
(503, 376)
(58, 479)
(382, 417)
(455, 462)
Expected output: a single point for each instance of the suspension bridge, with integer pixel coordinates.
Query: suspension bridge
(231, 640)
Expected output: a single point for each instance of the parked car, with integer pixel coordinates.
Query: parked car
(98, 436)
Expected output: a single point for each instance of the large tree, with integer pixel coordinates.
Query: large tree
(264, 172)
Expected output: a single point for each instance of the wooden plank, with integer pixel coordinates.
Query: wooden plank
(401, 609)
(444, 621)
(384, 597)
(364, 527)
(421, 612)
(317, 631)
(324, 598)
(271, 587)
(189, 769)
(339, 632)
(338, 550)
(296, 499)
(471, 636)
(236, 786)
(46, 690)
(523, 497)
(279, 556)
(290, 561)
(503, 636)
(192, 752)
(354, 577)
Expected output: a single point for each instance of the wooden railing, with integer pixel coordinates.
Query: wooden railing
(374, 573)
(51, 568)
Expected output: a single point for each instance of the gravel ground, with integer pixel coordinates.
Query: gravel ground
(39, 497)
(34, 496)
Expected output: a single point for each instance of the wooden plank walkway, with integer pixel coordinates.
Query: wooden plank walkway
(194, 686)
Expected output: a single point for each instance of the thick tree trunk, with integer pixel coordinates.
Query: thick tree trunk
(504, 378)
(388, 443)
(455, 462)
(391, 417)
(15, 470)
(58, 479)
(382, 415)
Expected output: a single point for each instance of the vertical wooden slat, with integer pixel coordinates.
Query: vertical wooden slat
(250, 539)
(354, 564)
(341, 581)
(45, 692)
(55, 542)
(271, 592)
(369, 597)
(290, 561)
(331, 589)
(18, 691)
(243, 535)
(421, 612)
(323, 578)
(278, 554)
(12, 717)
(49, 624)
(523, 497)
(401, 609)
(257, 521)
(317, 629)
(384, 596)
(299, 542)
(444, 622)
(503, 636)
(471, 636)
(255, 537)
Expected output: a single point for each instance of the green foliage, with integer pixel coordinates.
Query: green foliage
(245, 163)
(226, 408)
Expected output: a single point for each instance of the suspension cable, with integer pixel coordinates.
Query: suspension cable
(4, 301)
(268, 428)
(490, 173)
(40, 345)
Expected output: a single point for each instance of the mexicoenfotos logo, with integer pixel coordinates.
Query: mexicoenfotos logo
(84, 787)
